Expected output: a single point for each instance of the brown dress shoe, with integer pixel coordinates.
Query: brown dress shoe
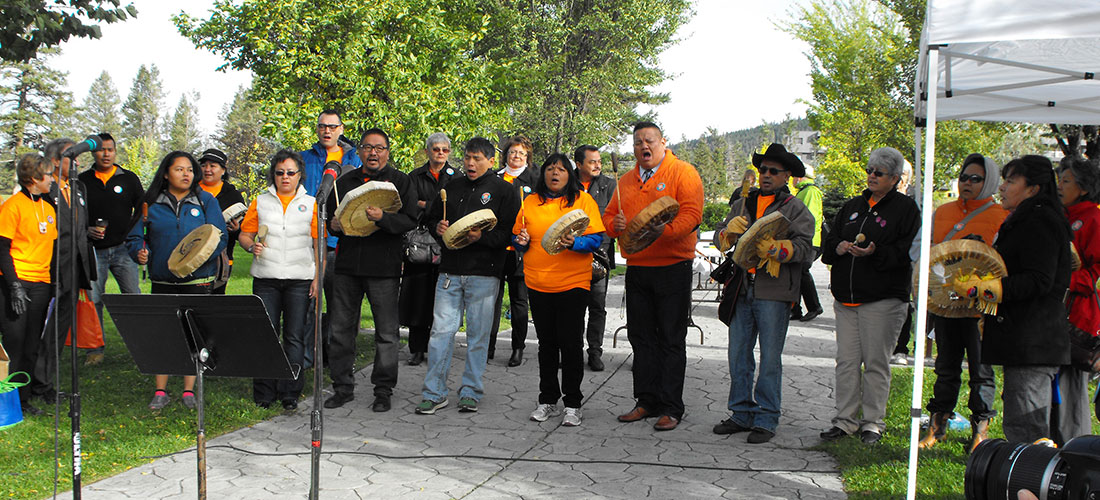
(666, 423)
(634, 415)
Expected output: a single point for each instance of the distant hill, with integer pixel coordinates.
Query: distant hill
(743, 142)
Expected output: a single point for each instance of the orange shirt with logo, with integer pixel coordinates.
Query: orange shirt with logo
(567, 270)
(21, 221)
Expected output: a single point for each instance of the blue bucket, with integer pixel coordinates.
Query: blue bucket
(11, 412)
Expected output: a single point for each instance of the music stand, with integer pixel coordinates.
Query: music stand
(217, 335)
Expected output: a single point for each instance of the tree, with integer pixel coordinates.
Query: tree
(182, 129)
(248, 150)
(28, 26)
(65, 119)
(141, 111)
(101, 107)
(28, 92)
(574, 72)
(710, 154)
(405, 66)
(143, 156)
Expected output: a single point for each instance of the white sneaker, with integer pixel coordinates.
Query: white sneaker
(572, 417)
(899, 359)
(543, 412)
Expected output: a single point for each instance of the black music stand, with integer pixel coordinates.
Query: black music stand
(218, 335)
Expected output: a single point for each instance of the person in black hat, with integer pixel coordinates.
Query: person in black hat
(215, 180)
(766, 293)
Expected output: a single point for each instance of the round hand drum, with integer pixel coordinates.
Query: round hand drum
(642, 230)
(352, 211)
(573, 223)
(455, 237)
(194, 250)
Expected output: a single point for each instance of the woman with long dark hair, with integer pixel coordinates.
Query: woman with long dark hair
(558, 285)
(176, 207)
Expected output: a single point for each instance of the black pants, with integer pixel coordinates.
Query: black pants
(517, 298)
(954, 338)
(559, 324)
(658, 301)
(44, 379)
(904, 335)
(808, 289)
(597, 316)
(347, 298)
(326, 324)
(22, 334)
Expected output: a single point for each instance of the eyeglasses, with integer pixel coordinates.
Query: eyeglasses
(770, 170)
(441, 150)
(972, 178)
(329, 126)
(876, 173)
(517, 152)
(287, 173)
(369, 147)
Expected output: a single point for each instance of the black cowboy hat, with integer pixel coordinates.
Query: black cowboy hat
(777, 153)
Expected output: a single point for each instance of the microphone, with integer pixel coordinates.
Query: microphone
(92, 143)
(327, 180)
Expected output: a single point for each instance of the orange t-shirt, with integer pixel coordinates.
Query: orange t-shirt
(105, 176)
(762, 204)
(251, 222)
(567, 270)
(22, 221)
(336, 155)
(509, 178)
(213, 190)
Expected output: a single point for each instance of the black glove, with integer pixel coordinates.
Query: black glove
(19, 299)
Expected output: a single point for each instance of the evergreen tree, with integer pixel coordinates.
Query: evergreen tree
(239, 136)
(101, 108)
(182, 129)
(27, 95)
(141, 111)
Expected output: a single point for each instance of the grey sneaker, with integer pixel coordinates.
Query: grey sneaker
(428, 407)
(467, 405)
(189, 400)
(572, 417)
(543, 412)
(159, 401)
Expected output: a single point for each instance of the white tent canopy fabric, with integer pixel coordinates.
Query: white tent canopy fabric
(998, 60)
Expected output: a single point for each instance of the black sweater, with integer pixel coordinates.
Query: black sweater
(427, 187)
(226, 198)
(484, 257)
(378, 255)
(116, 202)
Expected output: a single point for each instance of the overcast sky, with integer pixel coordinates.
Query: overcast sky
(732, 70)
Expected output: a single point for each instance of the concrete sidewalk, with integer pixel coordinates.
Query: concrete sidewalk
(499, 453)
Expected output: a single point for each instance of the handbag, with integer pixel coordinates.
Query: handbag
(421, 247)
(600, 264)
(730, 276)
(1084, 347)
(89, 333)
(11, 411)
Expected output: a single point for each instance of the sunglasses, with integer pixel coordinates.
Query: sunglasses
(770, 170)
(972, 178)
(287, 173)
(441, 150)
(876, 173)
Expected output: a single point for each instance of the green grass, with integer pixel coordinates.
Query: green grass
(881, 471)
(118, 431)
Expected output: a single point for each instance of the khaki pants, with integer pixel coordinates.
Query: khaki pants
(865, 337)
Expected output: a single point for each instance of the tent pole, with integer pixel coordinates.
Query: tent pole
(922, 288)
(917, 131)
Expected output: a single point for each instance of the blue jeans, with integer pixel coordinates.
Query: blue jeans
(765, 320)
(285, 300)
(453, 294)
(116, 260)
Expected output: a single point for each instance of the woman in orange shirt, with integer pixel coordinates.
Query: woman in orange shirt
(558, 285)
(28, 228)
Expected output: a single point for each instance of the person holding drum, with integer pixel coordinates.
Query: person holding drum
(974, 215)
(564, 223)
(475, 226)
(658, 275)
(283, 268)
(516, 168)
(176, 208)
(1079, 191)
(215, 180)
(765, 293)
(868, 248)
(28, 228)
(418, 278)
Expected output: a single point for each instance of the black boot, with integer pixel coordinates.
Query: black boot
(517, 357)
(416, 358)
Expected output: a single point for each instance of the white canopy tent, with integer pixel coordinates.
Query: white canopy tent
(998, 60)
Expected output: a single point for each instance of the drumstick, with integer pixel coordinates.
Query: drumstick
(261, 234)
(523, 218)
(144, 235)
(443, 198)
(615, 169)
(746, 185)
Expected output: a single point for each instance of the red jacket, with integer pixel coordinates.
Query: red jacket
(1084, 219)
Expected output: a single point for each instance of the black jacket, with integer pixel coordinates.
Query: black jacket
(602, 189)
(886, 274)
(524, 185)
(427, 187)
(378, 255)
(86, 270)
(484, 257)
(1030, 326)
(226, 198)
(116, 202)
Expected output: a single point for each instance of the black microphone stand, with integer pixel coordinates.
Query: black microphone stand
(316, 417)
(74, 394)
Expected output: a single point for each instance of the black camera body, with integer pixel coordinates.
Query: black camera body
(999, 469)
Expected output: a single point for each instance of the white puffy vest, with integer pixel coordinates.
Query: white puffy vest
(288, 249)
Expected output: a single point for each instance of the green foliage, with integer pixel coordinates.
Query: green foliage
(239, 136)
(713, 215)
(710, 155)
(27, 26)
(182, 129)
(143, 155)
(101, 107)
(141, 111)
(28, 92)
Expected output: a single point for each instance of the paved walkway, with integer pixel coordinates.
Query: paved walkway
(499, 453)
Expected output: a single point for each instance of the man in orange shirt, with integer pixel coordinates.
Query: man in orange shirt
(658, 278)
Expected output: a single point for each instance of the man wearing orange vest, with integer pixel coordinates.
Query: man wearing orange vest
(658, 278)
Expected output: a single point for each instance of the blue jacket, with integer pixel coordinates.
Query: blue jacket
(314, 159)
(169, 223)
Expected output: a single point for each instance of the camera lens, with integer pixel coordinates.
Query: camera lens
(999, 469)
